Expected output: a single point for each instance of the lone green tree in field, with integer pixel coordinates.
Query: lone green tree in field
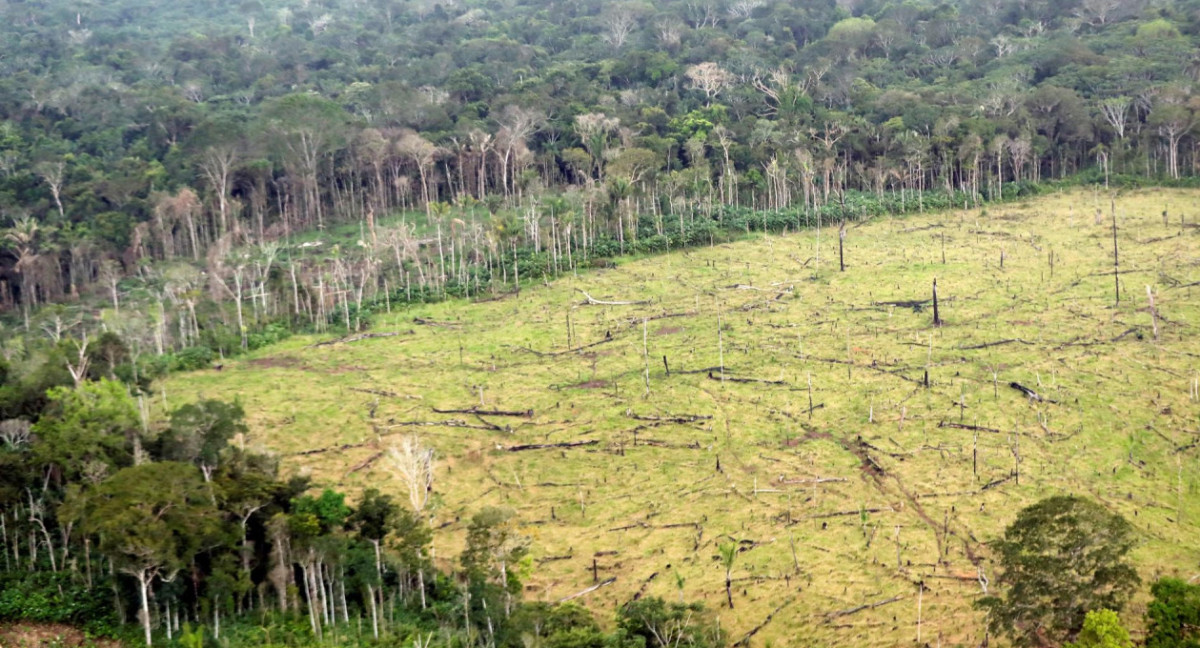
(1062, 557)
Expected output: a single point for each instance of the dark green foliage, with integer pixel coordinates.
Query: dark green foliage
(56, 598)
(1173, 615)
(324, 514)
(1060, 558)
(199, 431)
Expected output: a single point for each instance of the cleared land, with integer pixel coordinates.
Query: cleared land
(824, 487)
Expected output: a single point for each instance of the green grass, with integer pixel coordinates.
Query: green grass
(1121, 406)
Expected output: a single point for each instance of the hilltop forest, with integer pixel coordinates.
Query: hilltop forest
(173, 154)
(187, 181)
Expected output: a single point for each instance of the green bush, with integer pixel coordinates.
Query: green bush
(54, 598)
(191, 358)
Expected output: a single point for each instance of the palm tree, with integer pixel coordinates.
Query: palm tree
(22, 238)
(729, 554)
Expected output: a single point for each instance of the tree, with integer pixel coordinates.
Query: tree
(1102, 629)
(667, 625)
(1059, 559)
(151, 521)
(97, 422)
(199, 431)
(729, 554)
(494, 547)
(414, 463)
(709, 78)
(1173, 615)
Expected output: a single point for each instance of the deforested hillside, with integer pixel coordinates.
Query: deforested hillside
(756, 394)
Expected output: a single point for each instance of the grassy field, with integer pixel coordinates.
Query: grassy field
(845, 478)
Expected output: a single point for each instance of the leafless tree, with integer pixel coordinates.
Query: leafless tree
(53, 174)
(703, 13)
(709, 78)
(741, 9)
(413, 462)
(14, 433)
(1116, 113)
(619, 21)
(670, 32)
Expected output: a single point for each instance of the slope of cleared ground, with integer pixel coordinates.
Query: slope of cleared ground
(819, 448)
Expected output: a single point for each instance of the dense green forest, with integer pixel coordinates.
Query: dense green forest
(172, 155)
(180, 181)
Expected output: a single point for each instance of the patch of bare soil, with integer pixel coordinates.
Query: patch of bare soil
(44, 635)
(274, 362)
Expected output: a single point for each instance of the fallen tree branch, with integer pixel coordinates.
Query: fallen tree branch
(848, 513)
(745, 640)
(547, 446)
(682, 418)
(589, 590)
(818, 480)
(370, 460)
(388, 394)
(360, 336)
(995, 344)
(759, 381)
(1029, 392)
(868, 606)
(994, 483)
(973, 428)
(478, 412)
(592, 301)
(426, 322)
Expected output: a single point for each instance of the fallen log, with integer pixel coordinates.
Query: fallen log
(860, 608)
(681, 418)
(551, 354)
(988, 345)
(819, 480)
(646, 583)
(589, 590)
(1029, 392)
(745, 640)
(592, 301)
(699, 371)
(848, 513)
(454, 423)
(427, 322)
(370, 460)
(348, 446)
(994, 483)
(482, 412)
(757, 381)
(973, 428)
(360, 336)
(546, 446)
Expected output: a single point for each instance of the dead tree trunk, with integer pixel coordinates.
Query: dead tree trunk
(937, 317)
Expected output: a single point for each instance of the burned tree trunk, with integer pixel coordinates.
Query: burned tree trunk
(937, 316)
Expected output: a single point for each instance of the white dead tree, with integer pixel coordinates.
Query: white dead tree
(1116, 113)
(619, 22)
(709, 78)
(413, 462)
(14, 433)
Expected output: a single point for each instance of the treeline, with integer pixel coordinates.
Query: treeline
(171, 157)
(108, 519)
